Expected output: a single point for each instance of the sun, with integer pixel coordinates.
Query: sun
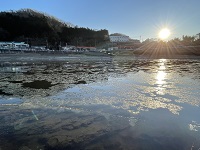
(164, 34)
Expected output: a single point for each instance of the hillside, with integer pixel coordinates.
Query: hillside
(38, 28)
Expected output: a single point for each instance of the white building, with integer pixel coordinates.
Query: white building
(13, 45)
(116, 37)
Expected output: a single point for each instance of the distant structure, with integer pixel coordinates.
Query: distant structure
(117, 37)
(198, 35)
(13, 45)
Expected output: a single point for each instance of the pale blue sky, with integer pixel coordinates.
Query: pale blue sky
(134, 18)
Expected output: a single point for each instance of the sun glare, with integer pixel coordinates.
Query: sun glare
(164, 34)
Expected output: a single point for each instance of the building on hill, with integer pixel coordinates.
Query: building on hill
(117, 37)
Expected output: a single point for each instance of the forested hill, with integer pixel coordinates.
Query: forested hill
(38, 28)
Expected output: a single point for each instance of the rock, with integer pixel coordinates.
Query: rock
(52, 142)
(24, 148)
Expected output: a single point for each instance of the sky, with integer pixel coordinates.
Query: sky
(139, 19)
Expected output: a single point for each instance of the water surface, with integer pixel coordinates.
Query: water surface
(100, 103)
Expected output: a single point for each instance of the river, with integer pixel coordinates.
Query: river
(82, 102)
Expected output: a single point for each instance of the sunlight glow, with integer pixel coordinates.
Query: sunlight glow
(161, 72)
(160, 77)
(164, 34)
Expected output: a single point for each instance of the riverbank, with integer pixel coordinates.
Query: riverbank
(168, 52)
(40, 57)
(118, 54)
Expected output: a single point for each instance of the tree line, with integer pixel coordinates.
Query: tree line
(36, 28)
(184, 41)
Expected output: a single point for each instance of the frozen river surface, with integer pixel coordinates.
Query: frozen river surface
(99, 103)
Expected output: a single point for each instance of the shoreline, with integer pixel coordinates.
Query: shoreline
(38, 58)
(59, 56)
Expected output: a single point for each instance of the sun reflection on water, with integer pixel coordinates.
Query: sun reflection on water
(160, 77)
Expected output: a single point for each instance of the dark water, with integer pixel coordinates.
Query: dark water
(100, 103)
